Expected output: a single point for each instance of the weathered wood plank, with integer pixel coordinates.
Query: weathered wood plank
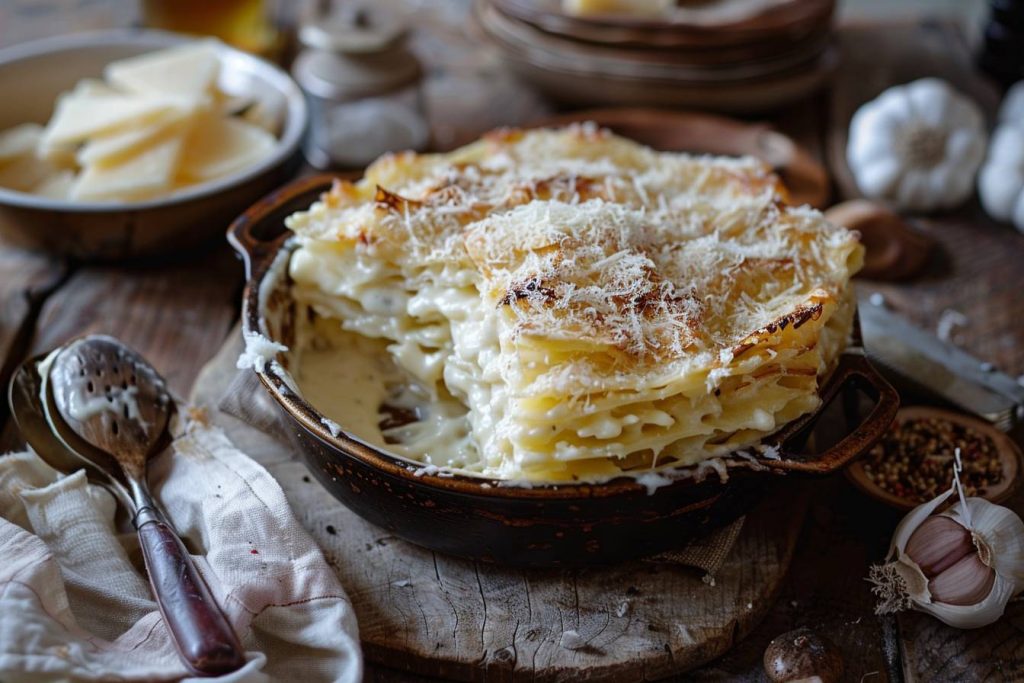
(25, 278)
(176, 315)
(825, 589)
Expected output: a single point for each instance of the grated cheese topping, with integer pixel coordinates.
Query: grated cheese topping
(594, 305)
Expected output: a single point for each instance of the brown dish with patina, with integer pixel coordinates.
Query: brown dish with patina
(546, 525)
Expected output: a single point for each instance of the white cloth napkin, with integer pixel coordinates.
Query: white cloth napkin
(74, 600)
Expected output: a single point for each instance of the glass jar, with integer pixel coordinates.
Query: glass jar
(364, 89)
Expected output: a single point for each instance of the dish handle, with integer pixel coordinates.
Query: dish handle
(854, 371)
(257, 234)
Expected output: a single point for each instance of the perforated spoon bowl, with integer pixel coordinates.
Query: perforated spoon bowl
(111, 407)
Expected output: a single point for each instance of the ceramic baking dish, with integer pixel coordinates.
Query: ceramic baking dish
(543, 525)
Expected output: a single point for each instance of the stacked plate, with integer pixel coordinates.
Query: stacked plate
(724, 55)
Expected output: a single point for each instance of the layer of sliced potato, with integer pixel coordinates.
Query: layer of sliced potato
(157, 124)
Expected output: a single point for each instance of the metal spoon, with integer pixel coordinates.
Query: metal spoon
(108, 405)
(23, 397)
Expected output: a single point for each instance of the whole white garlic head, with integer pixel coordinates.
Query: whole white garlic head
(917, 145)
(961, 566)
(1001, 180)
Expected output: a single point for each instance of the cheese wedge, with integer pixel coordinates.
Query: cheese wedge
(80, 116)
(111, 149)
(94, 86)
(268, 113)
(57, 186)
(25, 172)
(189, 70)
(149, 172)
(19, 141)
(216, 147)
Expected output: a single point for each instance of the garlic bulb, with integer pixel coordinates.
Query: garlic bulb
(917, 145)
(1012, 108)
(961, 566)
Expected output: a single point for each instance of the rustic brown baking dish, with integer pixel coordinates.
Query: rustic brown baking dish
(563, 525)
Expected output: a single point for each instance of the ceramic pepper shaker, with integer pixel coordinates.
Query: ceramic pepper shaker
(363, 85)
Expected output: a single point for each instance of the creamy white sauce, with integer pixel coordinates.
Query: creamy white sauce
(348, 377)
(344, 378)
(120, 401)
(260, 350)
(83, 404)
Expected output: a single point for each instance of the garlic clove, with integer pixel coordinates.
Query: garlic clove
(939, 543)
(981, 614)
(968, 582)
(909, 524)
(879, 177)
(999, 534)
(930, 99)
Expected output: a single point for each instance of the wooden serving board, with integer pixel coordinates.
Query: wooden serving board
(434, 615)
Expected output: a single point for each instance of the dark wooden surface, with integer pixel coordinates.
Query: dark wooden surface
(178, 315)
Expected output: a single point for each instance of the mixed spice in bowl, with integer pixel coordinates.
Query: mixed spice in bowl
(911, 464)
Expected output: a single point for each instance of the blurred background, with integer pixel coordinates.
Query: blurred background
(110, 13)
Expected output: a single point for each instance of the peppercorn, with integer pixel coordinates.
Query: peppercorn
(913, 460)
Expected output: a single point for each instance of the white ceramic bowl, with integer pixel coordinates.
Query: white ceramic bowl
(33, 74)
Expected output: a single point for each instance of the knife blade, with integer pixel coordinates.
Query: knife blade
(914, 354)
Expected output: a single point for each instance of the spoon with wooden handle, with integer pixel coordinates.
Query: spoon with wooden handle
(112, 408)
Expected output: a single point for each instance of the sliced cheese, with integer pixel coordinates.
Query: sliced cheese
(82, 115)
(149, 172)
(25, 172)
(231, 105)
(61, 156)
(94, 86)
(268, 113)
(123, 138)
(57, 186)
(112, 148)
(19, 141)
(189, 70)
(217, 147)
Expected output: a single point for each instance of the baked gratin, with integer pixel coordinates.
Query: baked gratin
(569, 305)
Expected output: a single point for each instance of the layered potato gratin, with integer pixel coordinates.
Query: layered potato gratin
(569, 305)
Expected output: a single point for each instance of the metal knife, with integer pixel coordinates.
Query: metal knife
(913, 354)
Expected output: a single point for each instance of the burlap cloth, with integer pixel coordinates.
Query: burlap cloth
(247, 413)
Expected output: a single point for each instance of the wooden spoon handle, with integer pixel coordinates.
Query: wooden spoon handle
(201, 632)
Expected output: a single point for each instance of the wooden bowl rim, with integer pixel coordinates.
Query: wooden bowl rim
(1011, 457)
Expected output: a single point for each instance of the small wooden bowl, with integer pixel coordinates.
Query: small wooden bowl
(1010, 457)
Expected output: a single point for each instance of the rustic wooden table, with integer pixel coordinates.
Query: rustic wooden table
(179, 313)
